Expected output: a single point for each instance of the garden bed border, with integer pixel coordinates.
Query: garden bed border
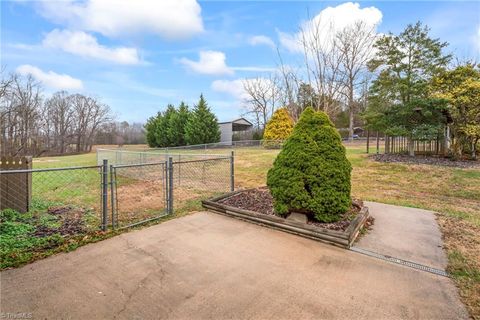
(340, 238)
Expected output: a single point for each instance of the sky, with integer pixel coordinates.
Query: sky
(138, 56)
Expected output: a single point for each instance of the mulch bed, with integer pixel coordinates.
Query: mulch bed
(260, 200)
(430, 160)
(71, 222)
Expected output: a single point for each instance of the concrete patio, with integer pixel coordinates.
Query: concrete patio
(205, 266)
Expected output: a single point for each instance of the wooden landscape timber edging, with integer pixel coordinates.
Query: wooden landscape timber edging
(340, 238)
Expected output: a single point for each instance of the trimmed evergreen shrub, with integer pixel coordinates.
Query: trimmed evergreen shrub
(311, 174)
(279, 127)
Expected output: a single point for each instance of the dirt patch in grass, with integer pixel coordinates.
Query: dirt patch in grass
(260, 200)
(138, 200)
(70, 220)
(436, 161)
(141, 195)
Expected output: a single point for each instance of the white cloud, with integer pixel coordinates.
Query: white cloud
(261, 40)
(86, 45)
(330, 20)
(254, 69)
(236, 88)
(50, 79)
(231, 87)
(171, 19)
(210, 62)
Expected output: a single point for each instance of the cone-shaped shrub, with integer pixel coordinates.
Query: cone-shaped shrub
(279, 127)
(311, 173)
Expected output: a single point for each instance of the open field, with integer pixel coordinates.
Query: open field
(452, 192)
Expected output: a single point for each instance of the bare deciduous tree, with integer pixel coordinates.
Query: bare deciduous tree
(28, 126)
(354, 44)
(323, 64)
(19, 109)
(262, 98)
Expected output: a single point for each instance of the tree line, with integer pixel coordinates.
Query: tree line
(400, 84)
(31, 124)
(120, 133)
(182, 126)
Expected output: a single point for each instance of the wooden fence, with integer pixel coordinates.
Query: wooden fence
(15, 188)
(420, 147)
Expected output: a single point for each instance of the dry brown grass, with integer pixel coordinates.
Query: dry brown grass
(453, 193)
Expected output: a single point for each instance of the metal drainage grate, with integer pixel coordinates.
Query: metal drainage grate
(400, 261)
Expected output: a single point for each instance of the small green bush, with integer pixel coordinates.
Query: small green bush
(311, 173)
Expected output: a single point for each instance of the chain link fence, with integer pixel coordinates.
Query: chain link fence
(125, 157)
(60, 202)
(199, 179)
(76, 200)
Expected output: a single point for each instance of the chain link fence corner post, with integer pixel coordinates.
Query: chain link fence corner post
(104, 194)
(232, 171)
(170, 186)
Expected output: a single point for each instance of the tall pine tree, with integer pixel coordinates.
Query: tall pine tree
(151, 127)
(161, 129)
(177, 124)
(406, 63)
(202, 125)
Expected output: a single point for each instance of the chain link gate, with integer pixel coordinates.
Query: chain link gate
(139, 193)
(144, 192)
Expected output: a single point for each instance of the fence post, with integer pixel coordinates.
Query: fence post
(368, 140)
(232, 171)
(170, 186)
(104, 194)
(113, 188)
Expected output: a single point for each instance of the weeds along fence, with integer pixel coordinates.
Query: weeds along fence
(115, 195)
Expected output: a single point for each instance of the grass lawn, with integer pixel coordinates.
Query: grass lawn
(453, 193)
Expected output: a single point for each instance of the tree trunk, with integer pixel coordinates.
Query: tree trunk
(351, 111)
(474, 149)
(350, 125)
